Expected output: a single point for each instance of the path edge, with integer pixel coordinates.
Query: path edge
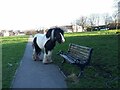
(21, 61)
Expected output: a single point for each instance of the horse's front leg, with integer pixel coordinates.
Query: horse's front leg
(47, 57)
(50, 56)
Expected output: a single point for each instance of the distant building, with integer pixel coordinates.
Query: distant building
(21, 33)
(4, 33)
(72, 28)
(77, 28)
(11, 33)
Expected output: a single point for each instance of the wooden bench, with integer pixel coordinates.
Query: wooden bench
(77, 55)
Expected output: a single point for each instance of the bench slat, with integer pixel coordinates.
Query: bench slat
(79, 53)
(75, 45)
(67, 58)
(79, 49)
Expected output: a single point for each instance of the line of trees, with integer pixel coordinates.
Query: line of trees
(87, 22)
(95, 19)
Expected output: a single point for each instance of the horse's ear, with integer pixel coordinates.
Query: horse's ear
(48, 34)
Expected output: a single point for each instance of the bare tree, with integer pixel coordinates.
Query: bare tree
(116, 15)
(107, 19)
(82, 22)
(115, 19)
(116, 3)
(119, 12)
(94, 19)
(97, 19)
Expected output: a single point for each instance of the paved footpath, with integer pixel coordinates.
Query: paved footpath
(35, 74)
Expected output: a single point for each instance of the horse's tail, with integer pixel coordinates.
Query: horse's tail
(34, 42)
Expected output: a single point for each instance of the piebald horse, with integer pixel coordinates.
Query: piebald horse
(46, 42)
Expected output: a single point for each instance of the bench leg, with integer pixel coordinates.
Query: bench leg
(80, 74)
(81, 71)
(63, 61)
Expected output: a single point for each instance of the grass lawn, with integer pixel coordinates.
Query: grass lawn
(12, 52)
(103, 71)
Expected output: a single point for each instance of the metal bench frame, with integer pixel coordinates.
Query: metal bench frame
(77, 55)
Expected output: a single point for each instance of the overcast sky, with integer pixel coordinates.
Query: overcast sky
(32, 14)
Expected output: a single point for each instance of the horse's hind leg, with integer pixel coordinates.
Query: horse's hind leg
(36, 50)
(34, 55)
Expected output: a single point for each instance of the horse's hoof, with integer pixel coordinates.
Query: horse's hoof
(33, 57)
(47, 62)
(35, 60)
(40, 59)
(51, 62)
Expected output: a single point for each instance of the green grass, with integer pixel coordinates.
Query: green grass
(12, 52)
(103, 71)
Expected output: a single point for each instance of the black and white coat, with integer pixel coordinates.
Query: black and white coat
(46, 43)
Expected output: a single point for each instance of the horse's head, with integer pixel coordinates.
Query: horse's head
(56, 34)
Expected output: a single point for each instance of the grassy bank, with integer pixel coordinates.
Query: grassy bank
(103, 71)
(12, 52)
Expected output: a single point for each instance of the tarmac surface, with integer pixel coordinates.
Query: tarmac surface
(35, 74)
